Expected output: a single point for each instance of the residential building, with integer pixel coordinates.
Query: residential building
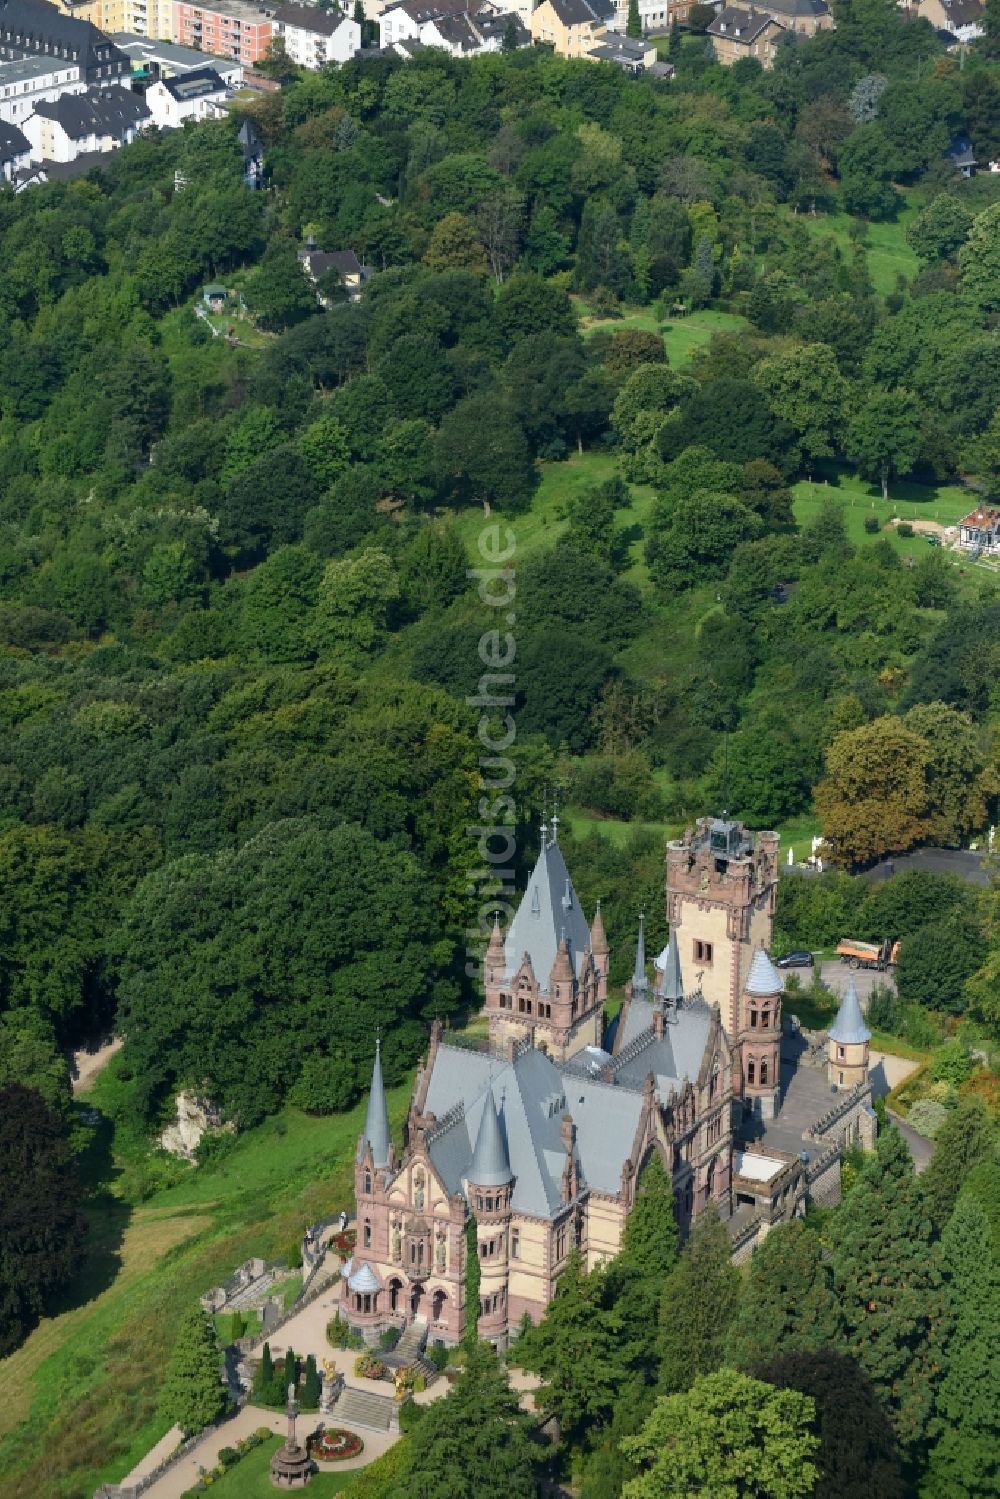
(319, 263)
(542, 1132)
(961, 20)
(150, 18)
(979, 531)
(472, 33)
(15, 151)
(634, 55)
(961, 155)
(314, 37)
(226, 28)
(198, 95)
(27, 81)
(81, 10)
(803, 17)
(571, 27)
(152, 58)
(737, 33)
(74, 125)
(33, 28)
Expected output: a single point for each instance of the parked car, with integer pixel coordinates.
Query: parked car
(800, 958)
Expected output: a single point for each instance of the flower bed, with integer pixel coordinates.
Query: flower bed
(335, 1445)
(369, 1367)
(344, 1243)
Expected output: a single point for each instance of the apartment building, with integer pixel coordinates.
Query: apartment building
(28, 81)
(226, 28)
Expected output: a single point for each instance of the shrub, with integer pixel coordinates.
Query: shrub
(883, 1011)
(227, 1456)
(367, 1366)
(389, 1339)
(439, 1357)
(293, 1258)
(904, 529)
(927, 1117)
(871, 524)
(420, 1384)
(409, 1415)
(337, 1332)
(952, 1063)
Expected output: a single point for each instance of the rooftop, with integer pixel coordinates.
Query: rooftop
(240, 10)
(548, 911)
(740, 25)
(142, 49)
(756, 1168)
(194, 85)
(24, 69)
(985, 518)
(310, 18)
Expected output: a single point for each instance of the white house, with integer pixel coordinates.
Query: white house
(27, 81)
(73, 125)
(314, 37)
(979, 531)
(15, 151)
(192, 96)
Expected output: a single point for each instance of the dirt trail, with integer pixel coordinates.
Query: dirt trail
(87, 1064)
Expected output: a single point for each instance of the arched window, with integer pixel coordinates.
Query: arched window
(753, 1020)
(710, 1178)
(751, 1071)
(713, 1086)
(368, 1183)
(763, 1071)
(368, 1233)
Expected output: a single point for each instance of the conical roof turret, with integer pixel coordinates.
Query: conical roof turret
(598, 939)
(640, 983)
(377, 1133)
(849, 1028)
(763, 978)
(490, 1164)
(562, 968)
(671, 984)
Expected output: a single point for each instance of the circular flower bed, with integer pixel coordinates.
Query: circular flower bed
(335, 1445)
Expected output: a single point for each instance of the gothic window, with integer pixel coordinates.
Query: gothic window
(841, 1077)
(561, 1242)
(489, 1204)
(368, 1183)
(368, 1233)
(753, 1020)
(710, 1178)
(763, 1072)
(751, 1071)
(418, 1193)
(840, 1051)
(515, 1243)
(479, 1202)
(713, 1086)
(764, 1020)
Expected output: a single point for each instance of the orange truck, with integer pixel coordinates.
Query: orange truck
(880, 955)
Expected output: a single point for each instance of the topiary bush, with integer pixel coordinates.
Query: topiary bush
(871, 524)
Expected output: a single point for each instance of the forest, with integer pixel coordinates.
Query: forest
(237, 630)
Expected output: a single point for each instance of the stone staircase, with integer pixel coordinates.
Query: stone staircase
(356, 1407)
(411, 1344)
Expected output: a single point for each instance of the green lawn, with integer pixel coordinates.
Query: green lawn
(250, 1478)
(885, 244)
(96, 1368)
(944, 503)
(681, 335)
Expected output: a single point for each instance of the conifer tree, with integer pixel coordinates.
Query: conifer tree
(633, 26)
(576, 1349)
(858, 1457)
(311, 1384)
(289, 1373)
(474, 1442)
(635, 1278)
(887, 1277)
(266, 1377)
(965, 1464)
(193, 1393)
(964, 1140)
(473, 1280)
(698, 1303)
(788, 1305)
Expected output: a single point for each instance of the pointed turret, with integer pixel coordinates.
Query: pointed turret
(598, 939)
(490, 1164)
(495, 960)
(763, 980)
(671, 985)
(847, 1043)
(377, 1133)
(562, 968)
(640, 983)
(849, 1028)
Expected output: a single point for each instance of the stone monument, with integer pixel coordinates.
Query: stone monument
(291, 1465)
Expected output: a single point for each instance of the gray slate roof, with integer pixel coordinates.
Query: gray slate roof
(763, 977)
(310, 18)
(740, 25)
(670, 984)
(849, 1028)
(194, 85)
(377, 1133)
(548, 909)
(677, 1057)
(576, 12)
(13, 142)
(490, 1166)
(107, 111)
(37, 27)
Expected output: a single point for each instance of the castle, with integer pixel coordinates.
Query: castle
(543, 1135)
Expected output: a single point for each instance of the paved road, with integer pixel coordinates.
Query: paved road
(921, 1149)
(837, 975)
(969, 864)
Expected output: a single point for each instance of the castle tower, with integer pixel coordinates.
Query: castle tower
(374, 1164)
(847, 1043)
(722, 883)
(546, 982)
(760, 1037)
(488, 1190)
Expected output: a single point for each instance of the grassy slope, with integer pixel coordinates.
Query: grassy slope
(885, 244)
(95, 1369)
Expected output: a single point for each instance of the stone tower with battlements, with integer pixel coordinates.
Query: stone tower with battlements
(722, 883)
